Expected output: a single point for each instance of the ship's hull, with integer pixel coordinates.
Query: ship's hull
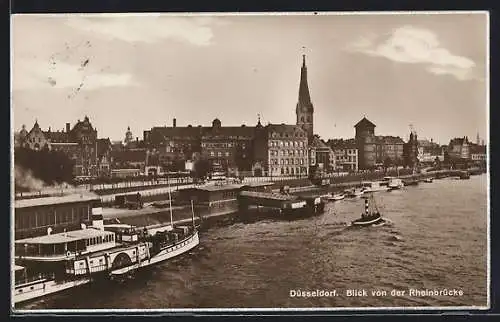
(336, 198)
(303, 212)
(177, 249)
(43, 288)
(368, 222)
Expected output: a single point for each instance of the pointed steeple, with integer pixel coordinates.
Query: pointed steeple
(304, 96)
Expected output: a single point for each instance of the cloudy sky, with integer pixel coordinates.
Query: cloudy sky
(143, 70)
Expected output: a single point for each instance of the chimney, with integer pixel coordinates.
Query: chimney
(137, 139)
(67, 127)
(175, 122)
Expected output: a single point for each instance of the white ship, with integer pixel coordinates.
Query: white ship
(56, 262)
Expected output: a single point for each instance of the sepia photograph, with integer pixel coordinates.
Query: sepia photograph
(306, 161)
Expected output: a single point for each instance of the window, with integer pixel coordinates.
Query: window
(219, 154)
(212, 153)
(227, 154)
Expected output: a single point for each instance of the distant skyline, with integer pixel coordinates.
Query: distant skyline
(142, 71)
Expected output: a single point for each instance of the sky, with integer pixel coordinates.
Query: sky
(427, 71)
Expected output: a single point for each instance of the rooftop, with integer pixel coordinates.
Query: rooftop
(65, 237)
(219, 188)
(365, 123)
(52, 200)
(269, 196)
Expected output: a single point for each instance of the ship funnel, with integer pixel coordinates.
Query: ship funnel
(97, 218)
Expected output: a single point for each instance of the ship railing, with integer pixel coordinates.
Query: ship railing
(34, 278)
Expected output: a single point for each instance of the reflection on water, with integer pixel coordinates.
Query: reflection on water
(436, 238)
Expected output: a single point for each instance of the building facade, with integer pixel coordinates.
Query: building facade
(42, 216)
(231, 147)
(79, 144)
(429, 152)
(389, 148)
(458, 148)
(346, 154)
(282, 150)
(321, 155)
(477, 153)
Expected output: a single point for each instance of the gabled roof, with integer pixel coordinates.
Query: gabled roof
(230, 131)
(388, 139)
(364, 123)
(286, 128)
(317, 143)
(59, 137)
(477, 149)
(342, 144)
(458, 141)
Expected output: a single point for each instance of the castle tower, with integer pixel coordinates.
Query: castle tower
(305, 109)
(365, 142)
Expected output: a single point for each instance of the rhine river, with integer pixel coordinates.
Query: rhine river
(436, 240)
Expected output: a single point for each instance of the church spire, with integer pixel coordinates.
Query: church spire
(304, 109)
(304, 97)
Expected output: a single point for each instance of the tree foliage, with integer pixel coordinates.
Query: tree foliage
(201, 168)
(49, 166)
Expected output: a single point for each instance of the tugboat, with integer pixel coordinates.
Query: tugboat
(371, 216)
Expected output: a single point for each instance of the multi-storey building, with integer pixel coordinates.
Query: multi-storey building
(282, 150)
(429, 152)
(321, 155)
(346, 154)
(79, 143)
(477, 153)
(459, 148)
(389, 147)
(228, 146)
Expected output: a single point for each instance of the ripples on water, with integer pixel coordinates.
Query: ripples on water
(436, 238)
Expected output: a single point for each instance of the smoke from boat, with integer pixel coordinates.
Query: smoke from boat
(25, 180)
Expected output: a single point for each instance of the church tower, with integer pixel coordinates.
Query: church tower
(304, 109)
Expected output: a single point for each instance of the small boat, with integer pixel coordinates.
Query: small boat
(394, 183)
(354, 193)
(374, 187)
(336, 197)
(410, 182)
(371, 216)
(428, 180)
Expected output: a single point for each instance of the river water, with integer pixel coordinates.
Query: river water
(436, 240)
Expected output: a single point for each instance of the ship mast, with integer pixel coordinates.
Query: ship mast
(170, 203)
(192, 213)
